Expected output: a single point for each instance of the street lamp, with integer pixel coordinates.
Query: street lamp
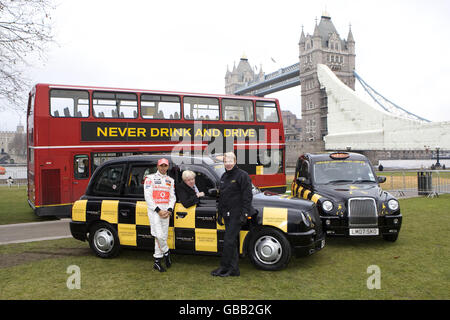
(438, 165)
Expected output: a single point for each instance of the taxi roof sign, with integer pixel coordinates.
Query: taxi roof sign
(339, 155)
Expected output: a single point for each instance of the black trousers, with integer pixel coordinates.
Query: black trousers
(230, 255)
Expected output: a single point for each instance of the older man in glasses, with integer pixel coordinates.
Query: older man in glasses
(187, 191)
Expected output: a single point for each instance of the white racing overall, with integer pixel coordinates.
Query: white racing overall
(159, 194)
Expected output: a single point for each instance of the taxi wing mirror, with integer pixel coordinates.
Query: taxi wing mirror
(303, 180)
(381, 179)
(213, 192)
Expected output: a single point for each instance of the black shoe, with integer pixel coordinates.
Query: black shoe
(167, 259)
(157, 266)
(230, 273)
(218, 271)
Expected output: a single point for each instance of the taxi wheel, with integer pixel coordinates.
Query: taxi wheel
(269, 249)
(103, 240)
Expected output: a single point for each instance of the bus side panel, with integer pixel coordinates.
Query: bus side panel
(51, 192)
(31, 188)
(273, 182)
(30, 151)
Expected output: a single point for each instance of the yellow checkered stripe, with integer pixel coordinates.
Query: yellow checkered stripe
(301, 192)
(189, 230)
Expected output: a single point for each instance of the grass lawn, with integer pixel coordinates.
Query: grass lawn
(417, 266)
(14, 207)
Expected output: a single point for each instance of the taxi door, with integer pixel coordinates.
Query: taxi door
(137, 226)
(196, 228)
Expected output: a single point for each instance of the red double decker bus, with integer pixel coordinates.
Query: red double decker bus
(73, 129)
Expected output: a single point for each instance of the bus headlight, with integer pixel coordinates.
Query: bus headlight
(327, 205)
(393, 204)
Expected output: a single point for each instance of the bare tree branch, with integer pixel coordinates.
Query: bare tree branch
(25, 33)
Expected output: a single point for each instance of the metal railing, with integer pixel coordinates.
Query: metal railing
(17, 173)
(408, 183)
(416, 183)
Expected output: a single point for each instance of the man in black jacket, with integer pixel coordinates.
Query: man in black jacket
(187, 192)
(235, 205)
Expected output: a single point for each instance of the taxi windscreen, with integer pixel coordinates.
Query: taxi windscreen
(335, 171)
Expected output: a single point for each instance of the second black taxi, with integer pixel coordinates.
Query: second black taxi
(113, 213)
(347, 192)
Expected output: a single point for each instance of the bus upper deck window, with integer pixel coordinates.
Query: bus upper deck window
(114, 105)
(160, 107)
(69, 103)
(266, 111)
(197, 108)
(237, 110)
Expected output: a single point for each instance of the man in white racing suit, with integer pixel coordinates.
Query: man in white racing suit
(159, 194)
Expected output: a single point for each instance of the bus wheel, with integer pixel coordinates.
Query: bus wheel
(103, 240)
(269, 249)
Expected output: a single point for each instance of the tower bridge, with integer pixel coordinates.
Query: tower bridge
(334, 116)
(282, 79)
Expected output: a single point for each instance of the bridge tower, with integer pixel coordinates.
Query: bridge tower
(324, 46)
(241, 75)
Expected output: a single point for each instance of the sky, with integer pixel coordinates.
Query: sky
(402, 46)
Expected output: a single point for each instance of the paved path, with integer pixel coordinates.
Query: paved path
(34, 231)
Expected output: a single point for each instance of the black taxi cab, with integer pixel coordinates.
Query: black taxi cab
(348, 195)
(113, 214)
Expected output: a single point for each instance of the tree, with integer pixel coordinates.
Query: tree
(18, 145)
(25, 32)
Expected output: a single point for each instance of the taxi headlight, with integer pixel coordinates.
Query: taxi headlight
(327, 205)
(393, 204)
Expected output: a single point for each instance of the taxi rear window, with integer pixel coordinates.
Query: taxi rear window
(109, 181)
(135, 181)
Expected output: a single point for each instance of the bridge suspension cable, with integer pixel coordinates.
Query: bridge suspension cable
(289, 77)
(385, 103)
